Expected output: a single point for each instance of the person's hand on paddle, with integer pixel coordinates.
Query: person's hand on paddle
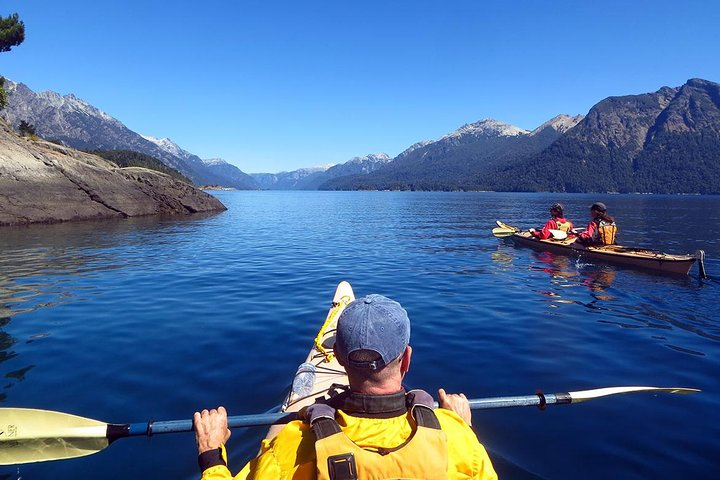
(211, 429)
(457, 402)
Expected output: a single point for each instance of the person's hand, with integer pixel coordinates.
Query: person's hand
(458, 403)
(211, 429)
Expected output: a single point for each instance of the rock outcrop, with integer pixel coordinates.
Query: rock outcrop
(42, 182)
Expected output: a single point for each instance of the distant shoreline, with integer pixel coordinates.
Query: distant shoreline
(216, 187)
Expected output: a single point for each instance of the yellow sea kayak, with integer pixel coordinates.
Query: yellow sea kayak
(320, 376)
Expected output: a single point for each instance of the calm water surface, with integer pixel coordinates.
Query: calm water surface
(155, 318)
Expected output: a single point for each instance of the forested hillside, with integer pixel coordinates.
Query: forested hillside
(662, 142)
(128, 158)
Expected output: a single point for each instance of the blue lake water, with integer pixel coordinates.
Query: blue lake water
(127, 321)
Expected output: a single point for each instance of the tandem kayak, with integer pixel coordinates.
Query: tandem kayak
(642, 258)
(320, 376)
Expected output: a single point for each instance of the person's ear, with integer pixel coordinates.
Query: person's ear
(337, 357)
(405, 360)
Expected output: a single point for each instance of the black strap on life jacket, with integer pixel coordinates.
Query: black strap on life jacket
(420, 403)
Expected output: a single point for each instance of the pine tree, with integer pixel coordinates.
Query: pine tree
(26, 129)
(12, 34)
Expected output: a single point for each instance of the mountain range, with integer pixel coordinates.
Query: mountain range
(662, 142)
(313, 178)
(75, 123)
(458, 160)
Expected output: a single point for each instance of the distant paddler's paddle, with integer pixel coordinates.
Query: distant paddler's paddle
(29, 435)
(506, 226)
(503, 229)
(502, 232)
(558, 234)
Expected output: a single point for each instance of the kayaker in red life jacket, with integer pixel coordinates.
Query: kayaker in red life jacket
(601, 230)
(557, 222)
(374, 430)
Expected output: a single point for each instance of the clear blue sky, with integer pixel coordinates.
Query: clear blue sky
(271, 86)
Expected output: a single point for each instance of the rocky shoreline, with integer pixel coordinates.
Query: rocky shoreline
(42, 182)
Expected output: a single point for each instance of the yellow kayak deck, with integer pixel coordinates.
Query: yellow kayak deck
(330, 377)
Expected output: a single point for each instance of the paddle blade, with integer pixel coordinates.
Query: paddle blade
(502, 232)
(558, 234)
(584, 395)
(506, 226)
(28, 435)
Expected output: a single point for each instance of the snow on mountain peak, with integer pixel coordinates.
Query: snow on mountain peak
(487, 127)
(168, 145)
(214, 161)
(562, 123)
(375, 157)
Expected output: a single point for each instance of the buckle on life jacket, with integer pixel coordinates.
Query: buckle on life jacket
(342, 467)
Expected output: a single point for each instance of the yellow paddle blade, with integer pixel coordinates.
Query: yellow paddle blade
(506, 226)
(29, 435)
(502, 232)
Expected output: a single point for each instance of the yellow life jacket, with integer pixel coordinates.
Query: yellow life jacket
(424, 455)
(606, 233)
(565, 226)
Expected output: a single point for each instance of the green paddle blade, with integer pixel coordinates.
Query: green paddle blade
(29, 435)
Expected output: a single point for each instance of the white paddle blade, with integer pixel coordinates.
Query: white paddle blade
(558, 234)
(28, 435)
(584, 395)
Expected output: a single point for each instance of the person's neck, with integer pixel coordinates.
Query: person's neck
(367, 388)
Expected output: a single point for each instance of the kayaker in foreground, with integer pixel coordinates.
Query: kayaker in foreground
(601, 230)
(556, 222)
(374, 430)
